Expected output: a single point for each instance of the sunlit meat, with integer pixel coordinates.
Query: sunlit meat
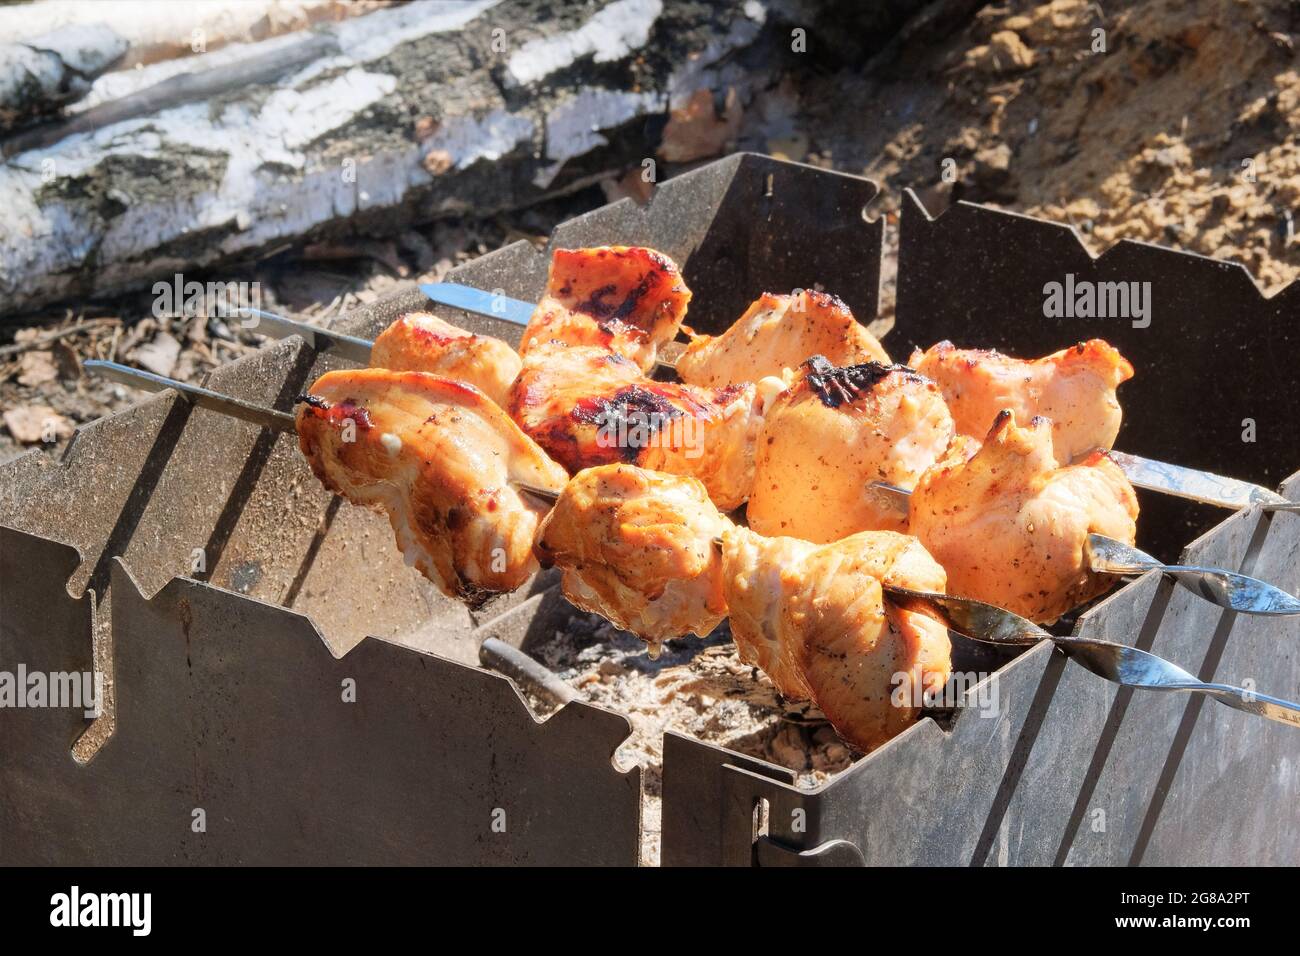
(831, 435)
(779, 332)
(1010, 525)
(626, 299)
(637, 547)
(1074, 387)
(421, 342)
(443, 461)
(589, 406)
(815, 619)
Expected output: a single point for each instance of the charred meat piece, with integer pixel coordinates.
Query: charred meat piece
(626, 299)
(779, 332)
(589, 406)
(831, 435)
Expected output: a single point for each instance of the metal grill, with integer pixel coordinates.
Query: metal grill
(231, 674)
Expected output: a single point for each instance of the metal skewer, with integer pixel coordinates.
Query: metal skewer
(1118, 663)
(322, 340)
(196, 395)
(1228, 589)
(1200, 486)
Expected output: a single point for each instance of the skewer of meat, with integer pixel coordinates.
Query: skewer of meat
(474, 503)
(777, 328)
(817, 618)
(1049, 520)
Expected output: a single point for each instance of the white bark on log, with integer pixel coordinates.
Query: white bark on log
(158, 30)
(39, 75)
(513, 100)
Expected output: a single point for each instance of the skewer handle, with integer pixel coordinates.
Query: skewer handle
(1117, 663)
(279, 327)
(1238, 592)
(1201, 486)
(468, 299)
(194, 394)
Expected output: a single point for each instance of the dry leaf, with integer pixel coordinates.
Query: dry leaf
(437, 162)
(37, 368)
(160, 355)
(425, 127)
(632, 185)
(793, 147)
(30, 424)
(695, 131)
(68, 361)
(1005, 53)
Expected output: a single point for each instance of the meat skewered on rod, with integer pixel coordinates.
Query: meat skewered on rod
(779, 332)
(652, 553)
(446, 465)
(831, 431)
(1062, 561)
(815, 618)
(1008, 522)
(820, 657)
(640, 547)
(421, 342)
(1011, 523)
(630, 541)
(1089, 553)
(613, 307)
(1188, 483)
(628, 300)
(1181, 482)
(579, 388)
(443, 461)
(1074, 388)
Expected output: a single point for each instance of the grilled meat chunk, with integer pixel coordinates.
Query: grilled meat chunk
(1074, 387)
(779, 332)
(815, 619)
(831, 435)
(421, 342)
(1010, 525)
(443, 461)
(637, 547)
(626, 299)
(589, 406)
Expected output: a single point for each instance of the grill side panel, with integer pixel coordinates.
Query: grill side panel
(242, 740)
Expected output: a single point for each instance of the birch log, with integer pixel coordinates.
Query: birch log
(39, 75)
(405, 114)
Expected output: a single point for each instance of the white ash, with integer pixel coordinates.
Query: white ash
(698, 687)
